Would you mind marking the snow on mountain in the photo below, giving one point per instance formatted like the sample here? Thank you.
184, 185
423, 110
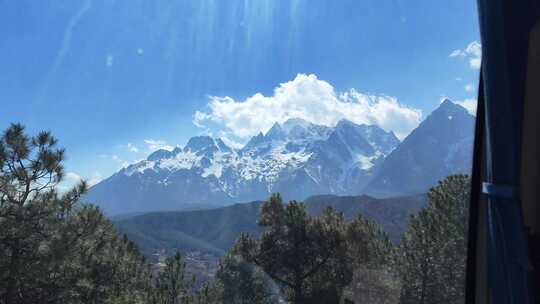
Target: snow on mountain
298, 159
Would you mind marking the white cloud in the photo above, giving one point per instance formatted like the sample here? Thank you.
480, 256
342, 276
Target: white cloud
140, 51
131, 147
469, 104
199, 117
153, 145
115, 158
96, 178
473, 52
72, 178
459, 79
457, 53
475, 63
469, 87
311, 99
119, 160
230, 142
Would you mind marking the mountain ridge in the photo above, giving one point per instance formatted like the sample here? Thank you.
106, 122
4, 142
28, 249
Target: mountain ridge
215, 230
441, 145
298, 159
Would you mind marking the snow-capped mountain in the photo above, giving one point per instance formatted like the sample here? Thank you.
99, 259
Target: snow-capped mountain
298, 159
441, 145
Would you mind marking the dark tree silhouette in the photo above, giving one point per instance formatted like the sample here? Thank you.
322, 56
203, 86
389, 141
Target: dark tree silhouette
305, 256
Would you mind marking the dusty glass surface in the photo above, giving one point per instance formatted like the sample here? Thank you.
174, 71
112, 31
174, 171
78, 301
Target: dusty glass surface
187, 118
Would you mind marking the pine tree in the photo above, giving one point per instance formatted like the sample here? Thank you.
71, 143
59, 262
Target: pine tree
433, 249
371, 252
52, 249
172, 285
242, 283
209, 293
306, 257
30, 168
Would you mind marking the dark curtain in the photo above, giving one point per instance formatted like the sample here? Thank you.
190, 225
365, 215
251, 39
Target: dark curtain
505, 27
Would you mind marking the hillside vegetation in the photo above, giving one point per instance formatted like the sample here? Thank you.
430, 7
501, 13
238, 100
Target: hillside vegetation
215, 230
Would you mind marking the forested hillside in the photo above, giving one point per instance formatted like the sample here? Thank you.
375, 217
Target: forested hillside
215, 230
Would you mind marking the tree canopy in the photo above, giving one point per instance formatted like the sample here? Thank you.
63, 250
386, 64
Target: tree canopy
432, 254
306, 256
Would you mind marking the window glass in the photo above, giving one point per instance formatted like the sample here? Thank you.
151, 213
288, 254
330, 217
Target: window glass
240, 151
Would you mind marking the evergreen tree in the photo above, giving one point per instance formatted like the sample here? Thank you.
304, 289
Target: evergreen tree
433, 249
209, 293
242, 283
30, 168
172, 285
306, 257
371, 252
52, 249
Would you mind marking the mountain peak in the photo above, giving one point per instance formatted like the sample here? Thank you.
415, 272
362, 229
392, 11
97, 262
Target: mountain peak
292, 123
276, 125
222, 145
378, 138
296, 120
254, 141
159, 154
447, 107
198, 143
345, 122
446, 102
275, 133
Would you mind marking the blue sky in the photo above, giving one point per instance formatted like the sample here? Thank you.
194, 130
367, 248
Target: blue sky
114, 80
